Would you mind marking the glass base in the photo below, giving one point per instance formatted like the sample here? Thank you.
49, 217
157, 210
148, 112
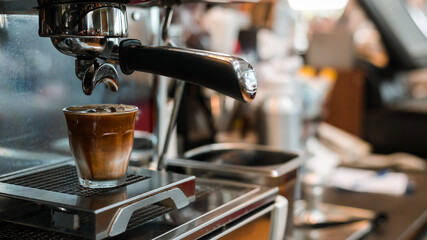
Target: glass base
103, 183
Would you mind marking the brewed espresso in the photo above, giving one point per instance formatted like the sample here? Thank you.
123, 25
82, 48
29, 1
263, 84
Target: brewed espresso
101, 139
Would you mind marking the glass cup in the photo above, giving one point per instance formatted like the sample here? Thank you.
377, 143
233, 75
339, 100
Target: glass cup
101, 141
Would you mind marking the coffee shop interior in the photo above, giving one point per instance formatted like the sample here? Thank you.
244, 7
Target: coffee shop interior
256, 119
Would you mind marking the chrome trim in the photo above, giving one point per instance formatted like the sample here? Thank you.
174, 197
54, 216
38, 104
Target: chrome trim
247, 78
123, 215
269, 174
243, 69
79, 47
257, 197
83, 20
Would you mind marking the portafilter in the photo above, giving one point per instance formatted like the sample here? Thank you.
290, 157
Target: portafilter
90, 31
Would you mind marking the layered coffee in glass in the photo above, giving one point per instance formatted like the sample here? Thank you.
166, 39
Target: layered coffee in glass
101, 141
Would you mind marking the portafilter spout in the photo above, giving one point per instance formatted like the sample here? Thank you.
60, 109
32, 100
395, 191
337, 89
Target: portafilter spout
86, 31
90, 32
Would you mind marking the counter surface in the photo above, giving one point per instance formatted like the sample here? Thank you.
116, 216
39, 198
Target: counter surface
406, 214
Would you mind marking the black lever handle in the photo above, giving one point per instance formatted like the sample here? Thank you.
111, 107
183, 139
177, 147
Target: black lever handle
226, 74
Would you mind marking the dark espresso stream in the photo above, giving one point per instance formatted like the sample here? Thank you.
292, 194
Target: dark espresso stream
101, 141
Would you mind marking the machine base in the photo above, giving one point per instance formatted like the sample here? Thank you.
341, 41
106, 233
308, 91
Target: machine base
51, 198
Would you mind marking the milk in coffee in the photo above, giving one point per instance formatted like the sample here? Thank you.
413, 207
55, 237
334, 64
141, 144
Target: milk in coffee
101, 141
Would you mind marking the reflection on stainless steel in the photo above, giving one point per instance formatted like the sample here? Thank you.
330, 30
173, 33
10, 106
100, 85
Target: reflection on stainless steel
29, 155
100, 19
97, 213
105, 73
3, 22
351, 231
220, 207
277, 212
357, 221
80, 47
247, 79
176, 200
81, 30
335, 213
179, 91
18, 6
245, 162
217, 204
14, 160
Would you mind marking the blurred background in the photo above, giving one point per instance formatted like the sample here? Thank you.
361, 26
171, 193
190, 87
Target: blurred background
349, 64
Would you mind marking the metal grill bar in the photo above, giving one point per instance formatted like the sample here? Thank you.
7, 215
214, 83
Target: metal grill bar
146, 214
63, 179
18, 232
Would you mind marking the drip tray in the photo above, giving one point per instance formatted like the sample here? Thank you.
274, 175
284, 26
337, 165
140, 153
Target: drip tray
218, 206
18, 232
63, 179
52, 199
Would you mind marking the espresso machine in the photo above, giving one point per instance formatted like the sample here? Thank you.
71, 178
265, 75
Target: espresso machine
40, 196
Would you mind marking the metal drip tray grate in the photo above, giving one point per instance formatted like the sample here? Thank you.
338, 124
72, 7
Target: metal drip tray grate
18, 232
63, 179
218, 203
51, 198
139, 217
146, 214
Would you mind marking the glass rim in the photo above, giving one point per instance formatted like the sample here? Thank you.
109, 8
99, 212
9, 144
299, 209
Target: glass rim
83, 108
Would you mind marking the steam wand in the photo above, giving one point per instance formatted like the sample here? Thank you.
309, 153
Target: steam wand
161, 163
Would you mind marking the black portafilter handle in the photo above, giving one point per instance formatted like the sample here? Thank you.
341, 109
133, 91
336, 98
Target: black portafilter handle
225, 74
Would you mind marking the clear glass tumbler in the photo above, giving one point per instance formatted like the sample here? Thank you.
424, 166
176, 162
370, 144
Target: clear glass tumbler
101, 141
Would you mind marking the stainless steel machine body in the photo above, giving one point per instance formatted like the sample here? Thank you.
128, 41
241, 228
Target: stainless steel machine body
52, 199
220, 207
256, 164
37, 82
